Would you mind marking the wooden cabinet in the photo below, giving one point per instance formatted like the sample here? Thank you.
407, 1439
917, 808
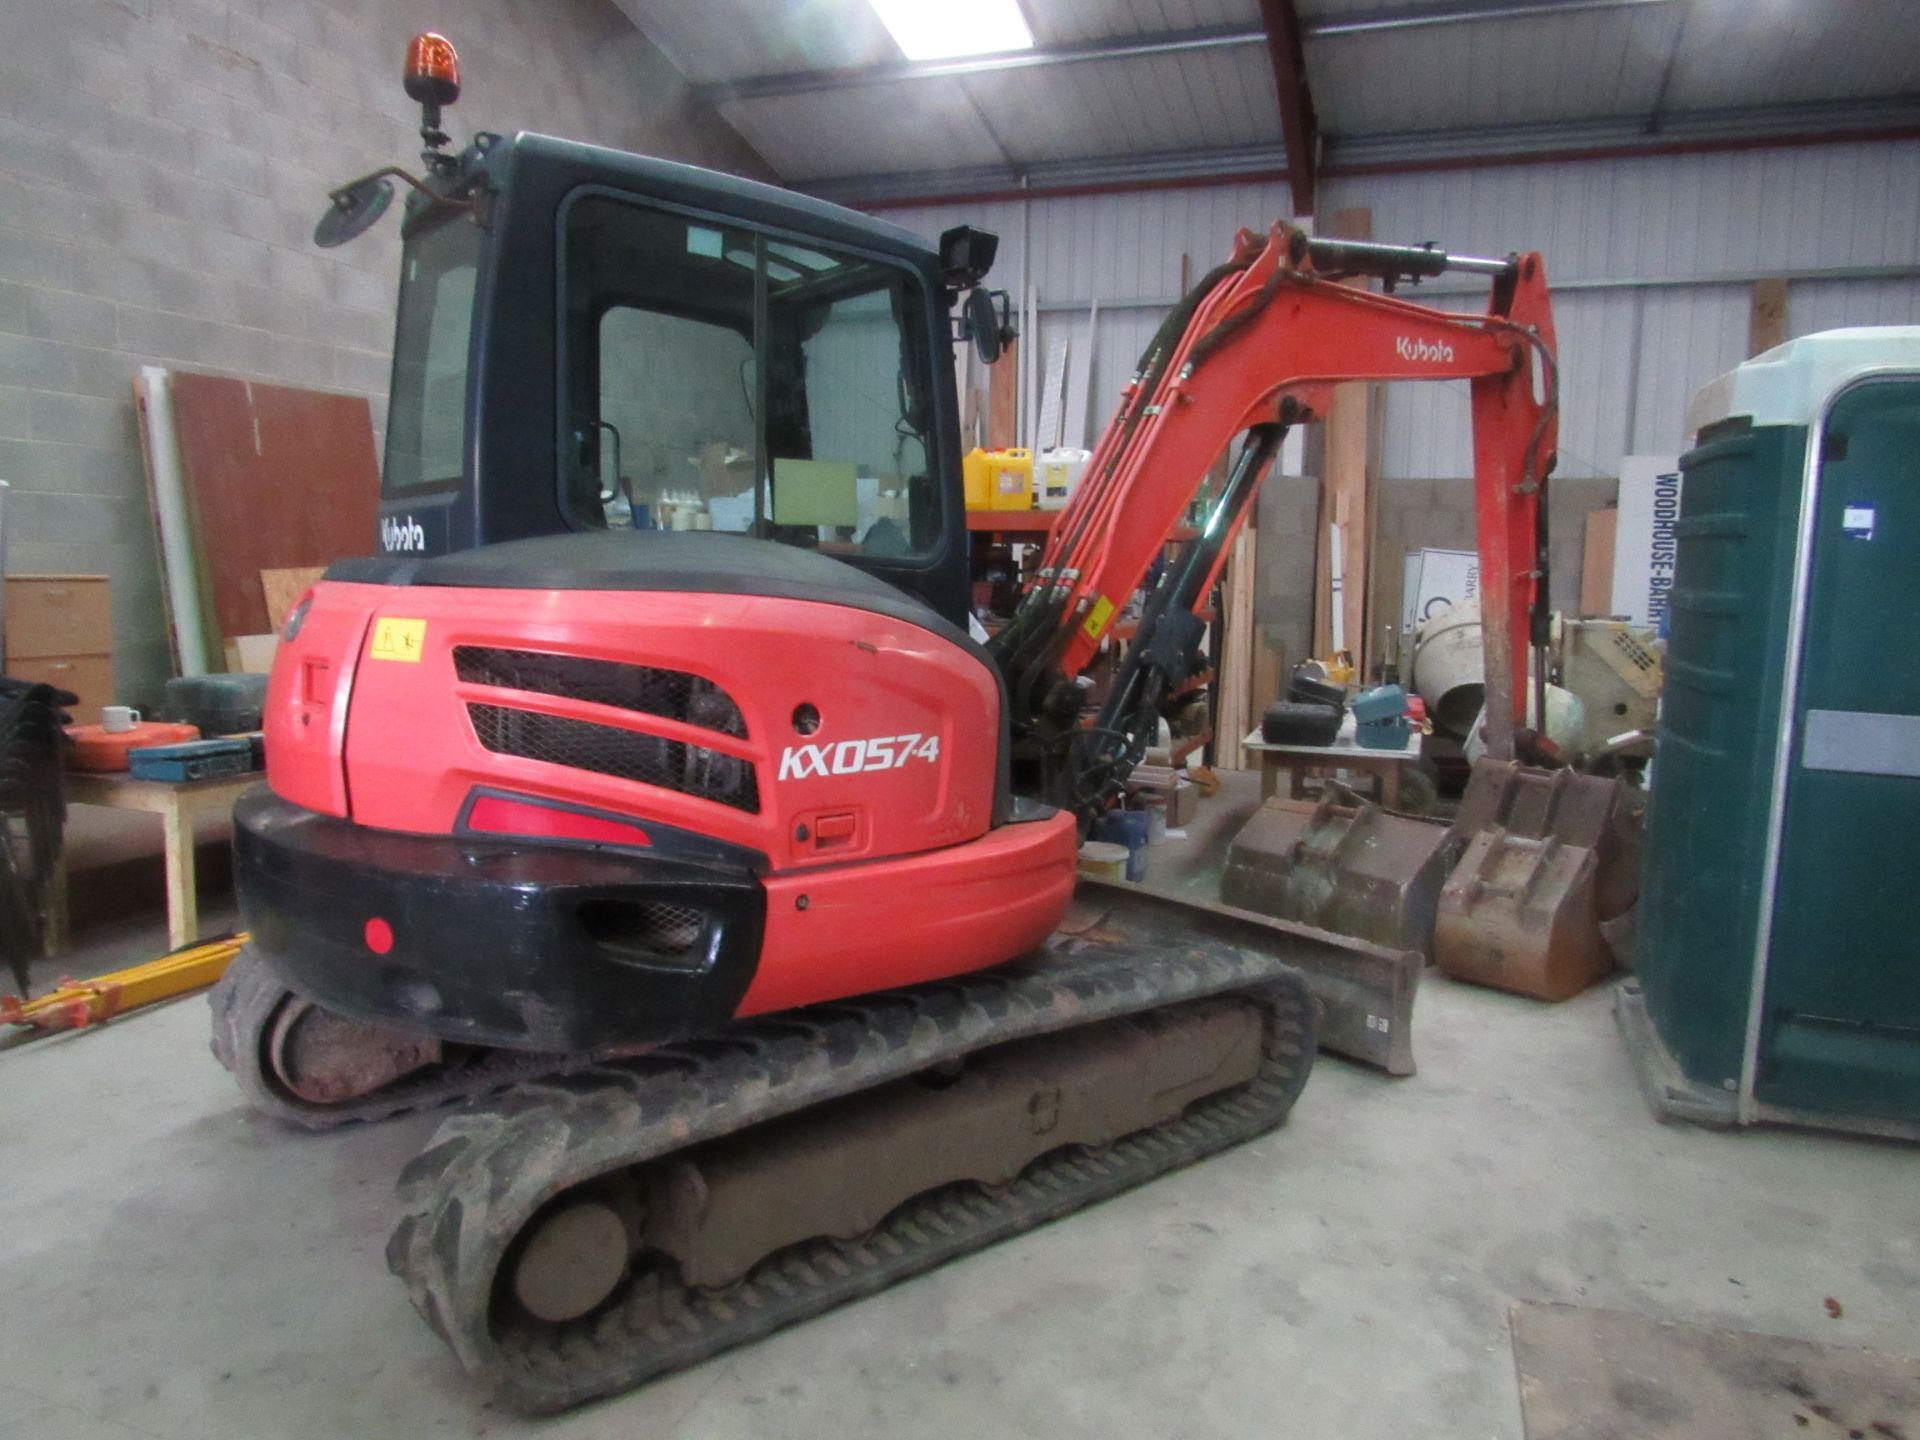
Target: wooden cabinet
60, 631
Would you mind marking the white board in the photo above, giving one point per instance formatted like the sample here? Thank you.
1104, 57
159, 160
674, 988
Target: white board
1644, 543
1435, 580
1047, 437
1073, 420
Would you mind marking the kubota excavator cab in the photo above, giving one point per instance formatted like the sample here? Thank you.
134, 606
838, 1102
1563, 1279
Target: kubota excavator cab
697, 352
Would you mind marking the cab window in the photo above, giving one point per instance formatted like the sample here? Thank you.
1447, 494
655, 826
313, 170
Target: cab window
722, 379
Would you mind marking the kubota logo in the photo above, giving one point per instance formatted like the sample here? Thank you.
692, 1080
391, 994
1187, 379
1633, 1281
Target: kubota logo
851, 757
1437, 352
405, 534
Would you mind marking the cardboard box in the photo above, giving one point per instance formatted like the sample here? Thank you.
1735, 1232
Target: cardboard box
88, 676
1162, 785
1596, 562
49, 615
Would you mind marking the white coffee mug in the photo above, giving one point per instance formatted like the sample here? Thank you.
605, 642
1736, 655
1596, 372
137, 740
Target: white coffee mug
118, 719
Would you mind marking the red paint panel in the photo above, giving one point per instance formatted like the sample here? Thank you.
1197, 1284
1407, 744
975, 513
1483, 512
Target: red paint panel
499, 816
902, 922
306, 710
907, 737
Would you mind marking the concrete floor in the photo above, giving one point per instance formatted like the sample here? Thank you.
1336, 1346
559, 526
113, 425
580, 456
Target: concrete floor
175, 1267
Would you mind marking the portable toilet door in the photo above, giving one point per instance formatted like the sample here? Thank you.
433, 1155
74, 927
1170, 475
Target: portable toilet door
1778, 967
1835, 1026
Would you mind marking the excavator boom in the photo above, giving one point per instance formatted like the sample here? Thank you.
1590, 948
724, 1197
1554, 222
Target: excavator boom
1258, 346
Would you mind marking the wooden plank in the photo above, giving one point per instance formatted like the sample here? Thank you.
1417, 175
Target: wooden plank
282, 590
276, 478
1003, 399
1268, 675
1350, 448
1596, 562
1767, 318
1235, 661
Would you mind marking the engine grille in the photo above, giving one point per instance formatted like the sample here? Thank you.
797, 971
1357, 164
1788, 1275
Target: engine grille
624, 754
644, 689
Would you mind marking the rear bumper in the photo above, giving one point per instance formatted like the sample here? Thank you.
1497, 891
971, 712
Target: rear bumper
528, 946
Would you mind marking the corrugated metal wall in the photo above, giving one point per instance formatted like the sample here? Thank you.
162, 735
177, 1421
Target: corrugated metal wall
1616, 234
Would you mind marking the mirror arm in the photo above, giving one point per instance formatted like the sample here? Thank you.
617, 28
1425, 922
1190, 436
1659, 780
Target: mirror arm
339, 194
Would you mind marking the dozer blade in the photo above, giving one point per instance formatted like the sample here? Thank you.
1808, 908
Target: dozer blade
1362, 991
582, 1235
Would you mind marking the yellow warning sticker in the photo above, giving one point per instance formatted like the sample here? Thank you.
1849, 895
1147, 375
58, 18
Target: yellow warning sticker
398, 639
1096, 622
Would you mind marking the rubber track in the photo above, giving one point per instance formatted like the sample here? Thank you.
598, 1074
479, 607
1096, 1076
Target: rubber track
490, 1169
244, 1002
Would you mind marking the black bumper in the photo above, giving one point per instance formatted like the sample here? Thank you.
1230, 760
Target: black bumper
525, 945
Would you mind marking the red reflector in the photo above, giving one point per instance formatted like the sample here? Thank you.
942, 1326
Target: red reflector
379, 936
497, 816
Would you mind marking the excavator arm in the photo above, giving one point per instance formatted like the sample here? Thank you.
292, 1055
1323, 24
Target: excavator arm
1255, 348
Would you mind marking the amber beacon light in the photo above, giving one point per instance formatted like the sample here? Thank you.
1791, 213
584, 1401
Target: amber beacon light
433, 70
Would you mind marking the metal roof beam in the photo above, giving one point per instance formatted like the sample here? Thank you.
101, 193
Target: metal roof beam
1299, 128
1699, 132
1821, 120
1040, 179
1457, 12
1128, 47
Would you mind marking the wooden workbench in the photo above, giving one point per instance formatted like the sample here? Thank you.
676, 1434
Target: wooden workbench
179, 808
1300, 761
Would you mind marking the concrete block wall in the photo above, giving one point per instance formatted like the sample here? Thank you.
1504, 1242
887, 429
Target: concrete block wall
1413, 515
162, 163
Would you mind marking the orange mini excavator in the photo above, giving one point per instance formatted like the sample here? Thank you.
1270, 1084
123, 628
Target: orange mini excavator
649, 793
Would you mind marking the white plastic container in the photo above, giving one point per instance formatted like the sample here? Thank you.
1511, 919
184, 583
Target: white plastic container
1056, 475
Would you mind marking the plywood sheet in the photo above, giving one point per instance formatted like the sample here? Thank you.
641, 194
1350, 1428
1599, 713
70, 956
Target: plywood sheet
276, 478
1767, 316
1596, 562
1588, 1374
1003, 399
283, 589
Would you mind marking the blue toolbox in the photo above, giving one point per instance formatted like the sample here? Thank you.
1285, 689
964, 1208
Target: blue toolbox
192, 760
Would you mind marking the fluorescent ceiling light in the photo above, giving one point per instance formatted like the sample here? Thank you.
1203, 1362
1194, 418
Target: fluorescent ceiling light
942, 29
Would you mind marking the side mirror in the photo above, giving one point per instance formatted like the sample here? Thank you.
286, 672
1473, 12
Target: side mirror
352, 210
988, 326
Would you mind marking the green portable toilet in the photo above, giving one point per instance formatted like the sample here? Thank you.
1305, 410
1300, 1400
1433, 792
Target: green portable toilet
1778, 959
